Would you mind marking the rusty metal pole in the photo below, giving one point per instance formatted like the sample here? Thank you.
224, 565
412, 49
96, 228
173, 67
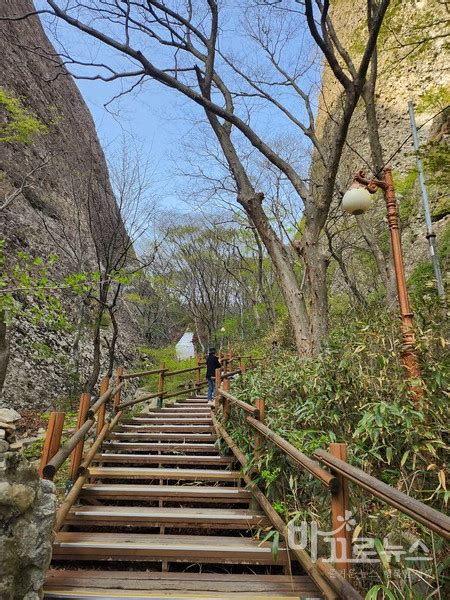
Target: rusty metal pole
408, 350
340, 514
218, 383
52, 438
119, 375
104, 385
162, 370
77, 452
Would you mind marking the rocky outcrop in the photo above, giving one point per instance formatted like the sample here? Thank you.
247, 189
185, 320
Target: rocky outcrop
412, 66
27, 513
51, 216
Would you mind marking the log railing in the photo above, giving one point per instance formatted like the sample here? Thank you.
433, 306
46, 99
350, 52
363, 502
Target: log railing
336, 480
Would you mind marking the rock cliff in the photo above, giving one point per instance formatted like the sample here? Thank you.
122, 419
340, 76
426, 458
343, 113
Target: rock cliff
412, 66
50, 216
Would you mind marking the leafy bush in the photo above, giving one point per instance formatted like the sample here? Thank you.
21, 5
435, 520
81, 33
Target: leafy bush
20, 125
355, 392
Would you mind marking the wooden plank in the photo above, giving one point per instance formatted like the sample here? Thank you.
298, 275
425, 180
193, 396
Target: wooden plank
191, 493
212, 518
179, 409
183, 582
164, 447
166, 428
173, 437
99, 594
166, 459
167, 420
71, 545
164, 474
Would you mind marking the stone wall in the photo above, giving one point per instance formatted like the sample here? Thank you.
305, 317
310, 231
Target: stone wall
413, 65
27, 513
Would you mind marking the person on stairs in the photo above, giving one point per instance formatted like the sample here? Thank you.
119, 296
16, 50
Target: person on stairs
212, 363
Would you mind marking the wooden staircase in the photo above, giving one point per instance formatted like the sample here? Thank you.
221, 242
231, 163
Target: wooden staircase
164, 515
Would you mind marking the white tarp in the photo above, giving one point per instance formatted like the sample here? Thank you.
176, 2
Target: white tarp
185, 347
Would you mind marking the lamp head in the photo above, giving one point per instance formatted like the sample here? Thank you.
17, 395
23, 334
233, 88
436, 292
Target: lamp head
222, 329
356, 200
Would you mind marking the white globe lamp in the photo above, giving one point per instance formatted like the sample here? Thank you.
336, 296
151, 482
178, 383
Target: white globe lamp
356, 200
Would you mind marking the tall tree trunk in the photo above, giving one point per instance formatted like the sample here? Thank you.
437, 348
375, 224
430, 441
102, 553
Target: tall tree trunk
284, 269
252, 204
4, 348
316, 265
261, 290
113, 342
96, 354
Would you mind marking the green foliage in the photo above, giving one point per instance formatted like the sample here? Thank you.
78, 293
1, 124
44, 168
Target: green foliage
434, 99
27, 290
166, 355
405, 190
20, 125
355, 391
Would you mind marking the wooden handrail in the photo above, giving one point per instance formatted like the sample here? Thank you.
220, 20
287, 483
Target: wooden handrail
300, 459
247, 407
52, 467
141, 374
179, 371
166, 371
302, 556
166, 394
104, 398
230, 374
83, 473
420, 512
148, 396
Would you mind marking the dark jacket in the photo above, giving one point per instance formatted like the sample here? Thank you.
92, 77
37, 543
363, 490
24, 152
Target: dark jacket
212, 363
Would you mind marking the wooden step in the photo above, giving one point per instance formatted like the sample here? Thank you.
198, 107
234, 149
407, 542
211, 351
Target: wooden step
200, 518
179, 493
79, 545
198, 399
168, 420
178, 410
163, 459
159, 447
163, 474
147, 436
166, 428
103, 585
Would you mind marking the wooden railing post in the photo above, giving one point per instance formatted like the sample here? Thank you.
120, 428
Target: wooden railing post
104, 385
217, 390
226, 402
198, 374
117, 396
258, 439
340, 514
52, 438
77, 452
162, 372
241, 364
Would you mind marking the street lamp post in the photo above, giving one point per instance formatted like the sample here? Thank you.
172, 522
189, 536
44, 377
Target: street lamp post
357, 201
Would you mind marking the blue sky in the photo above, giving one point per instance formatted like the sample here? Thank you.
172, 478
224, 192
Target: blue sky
158, 121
